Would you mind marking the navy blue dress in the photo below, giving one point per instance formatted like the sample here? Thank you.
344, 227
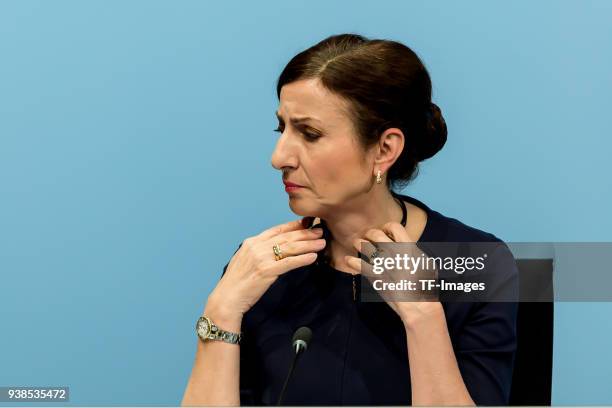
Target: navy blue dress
358, 353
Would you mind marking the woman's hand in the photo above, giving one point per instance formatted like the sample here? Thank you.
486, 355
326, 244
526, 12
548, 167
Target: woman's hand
408, 304
253, 268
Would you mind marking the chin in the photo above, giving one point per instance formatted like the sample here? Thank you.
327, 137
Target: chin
299, 206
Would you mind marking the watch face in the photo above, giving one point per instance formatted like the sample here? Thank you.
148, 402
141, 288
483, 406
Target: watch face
203, 328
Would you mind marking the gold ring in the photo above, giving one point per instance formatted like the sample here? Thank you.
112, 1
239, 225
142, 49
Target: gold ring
278, 254
375, 254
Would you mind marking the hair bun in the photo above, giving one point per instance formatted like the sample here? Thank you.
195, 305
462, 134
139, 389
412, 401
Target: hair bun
435, 133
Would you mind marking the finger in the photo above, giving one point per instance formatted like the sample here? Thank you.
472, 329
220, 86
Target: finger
297, 235
367, 246
294, 248
358, 265
281, 228
353, 263
364, 247
376, 235
292, 262
397, 232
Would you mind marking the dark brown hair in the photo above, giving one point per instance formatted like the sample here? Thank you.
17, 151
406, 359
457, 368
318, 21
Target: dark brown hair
386, 85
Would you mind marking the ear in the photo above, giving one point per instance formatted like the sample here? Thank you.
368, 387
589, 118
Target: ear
389, 148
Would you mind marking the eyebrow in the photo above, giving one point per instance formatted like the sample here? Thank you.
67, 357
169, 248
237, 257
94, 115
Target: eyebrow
298, 120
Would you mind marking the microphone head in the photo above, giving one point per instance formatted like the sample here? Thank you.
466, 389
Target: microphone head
302, 335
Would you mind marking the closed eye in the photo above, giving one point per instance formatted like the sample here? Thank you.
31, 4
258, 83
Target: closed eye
308, 135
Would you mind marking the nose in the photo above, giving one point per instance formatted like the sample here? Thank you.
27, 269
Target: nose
285, 153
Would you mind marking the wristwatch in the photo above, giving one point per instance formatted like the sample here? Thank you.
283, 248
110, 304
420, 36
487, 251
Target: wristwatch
207, 330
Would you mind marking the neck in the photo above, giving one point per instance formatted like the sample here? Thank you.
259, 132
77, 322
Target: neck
355, 218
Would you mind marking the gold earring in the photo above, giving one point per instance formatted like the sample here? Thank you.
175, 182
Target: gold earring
378, 178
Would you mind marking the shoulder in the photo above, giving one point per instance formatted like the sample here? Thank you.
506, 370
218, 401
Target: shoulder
448, 236
452, 229
475, 241
442, 228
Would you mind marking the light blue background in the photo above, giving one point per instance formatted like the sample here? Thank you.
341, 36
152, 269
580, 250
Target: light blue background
135, 142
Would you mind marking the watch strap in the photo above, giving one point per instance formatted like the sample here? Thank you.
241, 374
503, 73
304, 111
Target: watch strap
226, 336
215, 333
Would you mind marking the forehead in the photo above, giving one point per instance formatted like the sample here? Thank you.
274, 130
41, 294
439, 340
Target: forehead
308, 98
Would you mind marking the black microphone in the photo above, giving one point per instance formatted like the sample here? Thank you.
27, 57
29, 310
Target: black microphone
300, 341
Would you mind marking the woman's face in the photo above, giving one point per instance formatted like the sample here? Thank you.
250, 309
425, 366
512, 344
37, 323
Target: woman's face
320, 153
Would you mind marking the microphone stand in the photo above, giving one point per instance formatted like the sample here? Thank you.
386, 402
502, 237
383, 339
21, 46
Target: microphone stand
282, 393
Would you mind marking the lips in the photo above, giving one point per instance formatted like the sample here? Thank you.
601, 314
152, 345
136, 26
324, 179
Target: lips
290, 184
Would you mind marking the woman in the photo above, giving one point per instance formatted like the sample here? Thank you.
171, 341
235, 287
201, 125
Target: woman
355, 118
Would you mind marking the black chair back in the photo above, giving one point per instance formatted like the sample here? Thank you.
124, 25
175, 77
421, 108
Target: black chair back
532, 377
